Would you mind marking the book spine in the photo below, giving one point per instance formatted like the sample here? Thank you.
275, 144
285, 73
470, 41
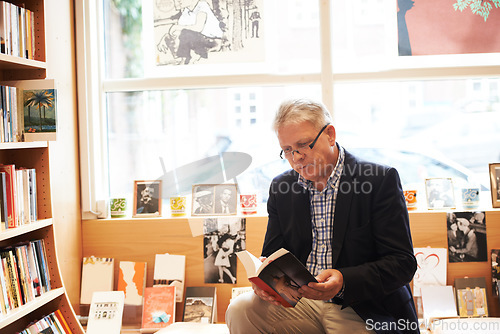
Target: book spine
63, 321
10, 187
13, 287
9, 302
33, 200
34, 269
3, 202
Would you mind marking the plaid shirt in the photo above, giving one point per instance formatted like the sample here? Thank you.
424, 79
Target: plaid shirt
322, 211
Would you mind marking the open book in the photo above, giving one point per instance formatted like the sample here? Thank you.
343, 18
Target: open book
280, 275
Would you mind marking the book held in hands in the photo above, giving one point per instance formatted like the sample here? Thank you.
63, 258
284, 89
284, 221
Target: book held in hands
280, 275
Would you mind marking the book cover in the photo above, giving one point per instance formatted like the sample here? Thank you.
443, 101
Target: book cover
106, 312
431, 268
438, 302
170, 269
97, 275
200, 304
159, 308
280, 275
471, 297
132, 281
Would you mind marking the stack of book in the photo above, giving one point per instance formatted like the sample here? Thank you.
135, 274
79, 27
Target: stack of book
18, 203
17, 31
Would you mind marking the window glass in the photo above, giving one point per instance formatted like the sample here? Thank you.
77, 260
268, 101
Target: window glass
426, 128
364, 35
153, 132
287, 41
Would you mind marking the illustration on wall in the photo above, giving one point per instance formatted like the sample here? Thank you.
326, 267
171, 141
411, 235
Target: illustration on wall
428, 27
198, 31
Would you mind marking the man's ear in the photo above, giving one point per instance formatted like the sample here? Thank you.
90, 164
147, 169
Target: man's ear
332, 134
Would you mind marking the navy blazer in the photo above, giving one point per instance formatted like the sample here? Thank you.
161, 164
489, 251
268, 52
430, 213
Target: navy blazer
372, 245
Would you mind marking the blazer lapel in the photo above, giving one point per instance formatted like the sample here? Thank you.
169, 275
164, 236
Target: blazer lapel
343, 206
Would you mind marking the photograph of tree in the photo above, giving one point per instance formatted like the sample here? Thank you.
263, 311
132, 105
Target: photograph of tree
428, 27
213, 31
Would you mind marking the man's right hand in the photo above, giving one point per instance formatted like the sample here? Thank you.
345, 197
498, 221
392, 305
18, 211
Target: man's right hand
261, 293
264, 295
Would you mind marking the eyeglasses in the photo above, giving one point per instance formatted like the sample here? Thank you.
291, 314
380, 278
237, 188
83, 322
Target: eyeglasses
303, 148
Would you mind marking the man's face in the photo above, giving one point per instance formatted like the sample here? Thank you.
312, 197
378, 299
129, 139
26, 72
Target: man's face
318, 163
225, 195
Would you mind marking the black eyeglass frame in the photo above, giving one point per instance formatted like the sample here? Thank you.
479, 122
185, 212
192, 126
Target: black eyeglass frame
311, 145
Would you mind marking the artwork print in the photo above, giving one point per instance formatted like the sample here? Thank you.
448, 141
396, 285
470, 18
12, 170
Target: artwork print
223, 238
208, 31
39, 110
429, 27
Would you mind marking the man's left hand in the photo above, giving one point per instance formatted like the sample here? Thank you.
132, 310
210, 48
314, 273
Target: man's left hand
330, 282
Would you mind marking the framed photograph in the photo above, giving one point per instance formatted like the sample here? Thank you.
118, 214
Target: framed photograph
147, 199
495, 184
203, 200
225, 202
214, 200
440, 194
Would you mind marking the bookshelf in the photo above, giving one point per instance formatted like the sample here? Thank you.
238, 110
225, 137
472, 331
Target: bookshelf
34, 155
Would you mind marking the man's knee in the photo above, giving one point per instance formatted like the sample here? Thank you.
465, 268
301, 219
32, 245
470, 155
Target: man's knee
238, 307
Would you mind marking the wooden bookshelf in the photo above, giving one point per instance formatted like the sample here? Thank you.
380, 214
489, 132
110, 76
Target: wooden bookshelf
34, 155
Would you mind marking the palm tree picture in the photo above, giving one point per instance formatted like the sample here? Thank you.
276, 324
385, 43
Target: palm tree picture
39, 110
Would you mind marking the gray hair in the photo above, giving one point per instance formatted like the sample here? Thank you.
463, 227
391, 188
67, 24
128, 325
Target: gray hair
301, 110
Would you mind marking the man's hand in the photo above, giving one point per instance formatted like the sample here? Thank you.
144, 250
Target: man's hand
330, 283
264, 295
261, 293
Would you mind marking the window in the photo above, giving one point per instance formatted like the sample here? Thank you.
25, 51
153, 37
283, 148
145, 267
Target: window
427, 115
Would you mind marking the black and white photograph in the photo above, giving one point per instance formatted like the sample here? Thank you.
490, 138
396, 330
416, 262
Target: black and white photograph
197, 31
225, 199
495, 271
495, 184
223, 237
440, 194
147, 198
467, 237
203, 200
